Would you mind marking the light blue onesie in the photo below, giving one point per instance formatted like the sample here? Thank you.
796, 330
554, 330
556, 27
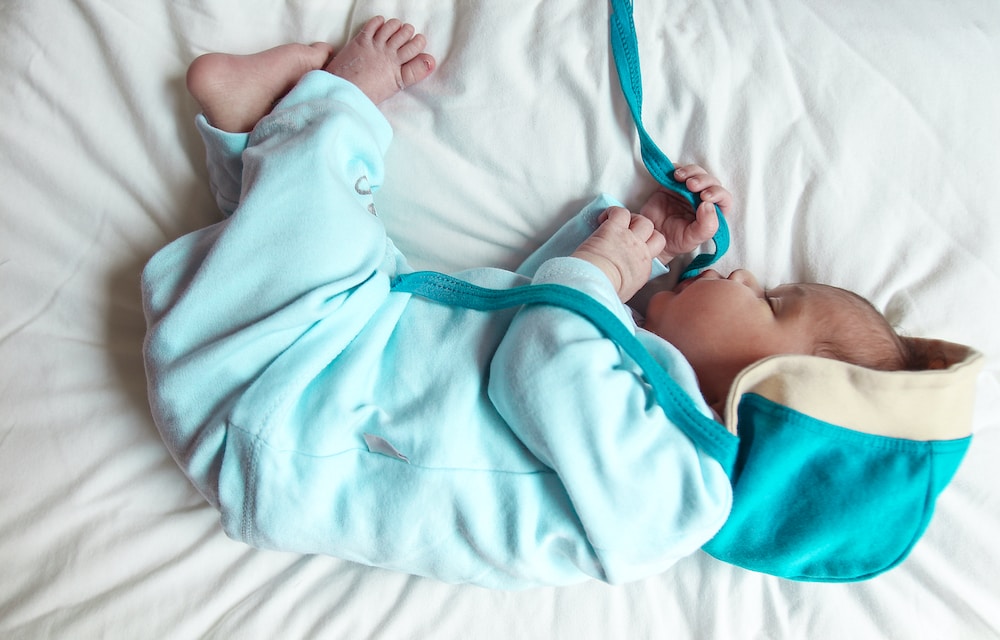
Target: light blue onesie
321, 412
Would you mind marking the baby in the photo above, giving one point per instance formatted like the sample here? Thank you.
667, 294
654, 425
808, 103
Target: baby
323, 411
739, 322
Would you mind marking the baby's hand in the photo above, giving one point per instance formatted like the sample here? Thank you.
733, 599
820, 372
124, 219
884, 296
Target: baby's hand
684, 230
623, 247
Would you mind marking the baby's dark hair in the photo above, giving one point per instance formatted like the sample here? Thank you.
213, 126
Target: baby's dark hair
861, 335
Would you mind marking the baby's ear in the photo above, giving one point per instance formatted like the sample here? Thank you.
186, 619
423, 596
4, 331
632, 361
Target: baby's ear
926, 354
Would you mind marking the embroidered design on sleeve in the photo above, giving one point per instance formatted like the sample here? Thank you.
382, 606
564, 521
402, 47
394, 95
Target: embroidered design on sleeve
363, 188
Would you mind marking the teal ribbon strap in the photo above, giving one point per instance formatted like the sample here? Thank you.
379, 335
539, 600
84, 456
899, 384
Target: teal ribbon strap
625, 49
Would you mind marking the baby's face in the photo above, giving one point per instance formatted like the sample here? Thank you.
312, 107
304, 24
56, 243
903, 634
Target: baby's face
722, 325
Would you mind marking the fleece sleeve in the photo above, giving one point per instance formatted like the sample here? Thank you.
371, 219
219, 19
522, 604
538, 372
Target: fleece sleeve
577, 229
645, 494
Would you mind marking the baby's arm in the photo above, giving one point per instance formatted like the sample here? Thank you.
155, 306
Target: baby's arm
644, 493
623, 247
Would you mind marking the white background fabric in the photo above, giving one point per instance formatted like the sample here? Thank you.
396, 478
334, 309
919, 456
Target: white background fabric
859, 139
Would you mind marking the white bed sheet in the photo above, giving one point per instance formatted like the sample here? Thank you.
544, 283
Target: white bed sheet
860, 139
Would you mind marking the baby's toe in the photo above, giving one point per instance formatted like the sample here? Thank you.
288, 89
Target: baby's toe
371, 28
401, 37
387, 30
416, 69
412, 48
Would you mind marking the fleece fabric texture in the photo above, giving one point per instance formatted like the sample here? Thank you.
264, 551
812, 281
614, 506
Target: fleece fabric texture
321, 412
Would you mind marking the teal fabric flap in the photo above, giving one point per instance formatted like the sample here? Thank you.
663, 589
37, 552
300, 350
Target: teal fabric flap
815, 501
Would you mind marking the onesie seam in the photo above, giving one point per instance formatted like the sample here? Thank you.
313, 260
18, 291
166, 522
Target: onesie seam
260, 442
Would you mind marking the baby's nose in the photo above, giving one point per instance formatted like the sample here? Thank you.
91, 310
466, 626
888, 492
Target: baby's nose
744, 277
740, 275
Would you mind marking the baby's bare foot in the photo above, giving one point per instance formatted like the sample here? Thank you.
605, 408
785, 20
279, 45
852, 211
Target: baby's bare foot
384, 58
234, 91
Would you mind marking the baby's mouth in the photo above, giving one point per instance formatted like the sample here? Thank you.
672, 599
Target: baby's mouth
711, 274
684, 284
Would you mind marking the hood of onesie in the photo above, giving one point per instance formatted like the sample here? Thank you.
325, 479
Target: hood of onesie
839, 466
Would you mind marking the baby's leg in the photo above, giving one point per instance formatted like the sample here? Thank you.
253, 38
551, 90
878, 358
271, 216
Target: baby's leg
248, 316
302, 222
234, 92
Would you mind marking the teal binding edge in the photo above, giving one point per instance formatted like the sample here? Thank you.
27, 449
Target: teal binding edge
625, 49
705, 432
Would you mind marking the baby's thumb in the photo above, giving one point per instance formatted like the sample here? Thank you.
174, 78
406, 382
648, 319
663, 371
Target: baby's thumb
706, 223
617, 216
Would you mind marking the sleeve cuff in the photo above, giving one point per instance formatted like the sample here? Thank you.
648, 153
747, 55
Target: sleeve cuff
573, 233
583, 276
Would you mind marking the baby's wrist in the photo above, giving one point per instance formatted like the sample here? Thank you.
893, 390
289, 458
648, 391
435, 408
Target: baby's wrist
607, 267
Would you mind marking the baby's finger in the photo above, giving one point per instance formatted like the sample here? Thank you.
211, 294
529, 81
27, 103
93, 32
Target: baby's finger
718, 195
656, 243
616, 215
641, 226
705, 224
685, 171
701, 181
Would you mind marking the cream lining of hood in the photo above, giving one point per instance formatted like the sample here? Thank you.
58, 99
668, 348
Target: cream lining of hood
934, 404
